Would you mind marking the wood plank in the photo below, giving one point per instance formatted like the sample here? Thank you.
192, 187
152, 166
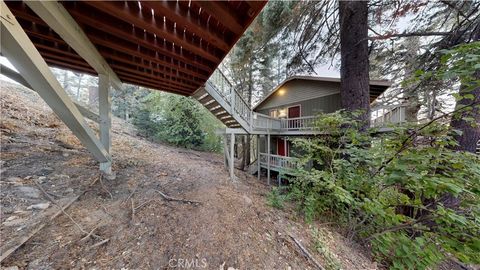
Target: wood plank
188, 20
58, 18
139, 18
220, 12
109, 27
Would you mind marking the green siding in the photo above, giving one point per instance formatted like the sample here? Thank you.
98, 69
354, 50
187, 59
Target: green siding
326, 104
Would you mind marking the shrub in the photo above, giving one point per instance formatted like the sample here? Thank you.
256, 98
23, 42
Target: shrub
405, 192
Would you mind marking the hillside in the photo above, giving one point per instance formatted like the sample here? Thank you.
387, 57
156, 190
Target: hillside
131, 224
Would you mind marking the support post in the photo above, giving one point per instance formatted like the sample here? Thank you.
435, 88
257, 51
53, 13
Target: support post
232, 158
258, 157
225, 151
268, 158
21, 52
232, 101
105, 112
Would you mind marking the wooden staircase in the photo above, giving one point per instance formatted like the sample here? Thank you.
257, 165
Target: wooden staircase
220, 98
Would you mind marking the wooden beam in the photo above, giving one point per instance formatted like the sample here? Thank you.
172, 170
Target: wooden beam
136, 35
117, 46
58, 18
78, 61
220, 11
232, 157
116, 57
145, 54
133, 15
21, 52
185, 19
154, 81
105, 112
10, 73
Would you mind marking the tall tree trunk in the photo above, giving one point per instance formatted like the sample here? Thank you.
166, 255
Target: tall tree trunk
470, 136
467, 141
354, 86
246, 145
412, 98
412, 108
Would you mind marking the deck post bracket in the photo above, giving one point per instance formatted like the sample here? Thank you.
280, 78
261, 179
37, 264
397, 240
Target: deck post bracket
20, 51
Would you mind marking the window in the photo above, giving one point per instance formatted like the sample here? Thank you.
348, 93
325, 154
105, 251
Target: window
278, 113
274, 113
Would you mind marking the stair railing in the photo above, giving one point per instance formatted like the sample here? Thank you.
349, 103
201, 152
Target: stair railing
225, 89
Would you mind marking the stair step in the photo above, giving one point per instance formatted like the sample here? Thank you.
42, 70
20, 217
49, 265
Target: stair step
211, 105
199, 93
221, 113
226, 117
217, 110
206, 100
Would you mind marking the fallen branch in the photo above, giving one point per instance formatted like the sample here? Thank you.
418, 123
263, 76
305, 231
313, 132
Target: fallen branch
306, 253
131, 194
168, 198
88, 235
55, 203
23, 240
133, 211
143, 204
99, 243
5, 253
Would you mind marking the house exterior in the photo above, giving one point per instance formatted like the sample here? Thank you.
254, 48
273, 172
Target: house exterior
291, 108
287, 112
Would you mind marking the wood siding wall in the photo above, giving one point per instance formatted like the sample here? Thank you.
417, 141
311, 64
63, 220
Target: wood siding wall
300, 92
326, 104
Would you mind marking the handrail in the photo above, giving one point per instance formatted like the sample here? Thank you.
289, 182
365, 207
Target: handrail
394, 115
238, 105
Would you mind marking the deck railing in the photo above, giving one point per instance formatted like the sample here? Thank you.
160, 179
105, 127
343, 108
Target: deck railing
393, 115
264, 122
298, 123
278, 162
256, 121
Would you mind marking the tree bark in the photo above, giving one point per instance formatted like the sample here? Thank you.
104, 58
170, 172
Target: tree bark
354, 86
467, 141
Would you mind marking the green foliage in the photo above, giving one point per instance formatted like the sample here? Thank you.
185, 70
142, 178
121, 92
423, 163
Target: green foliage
405, 191
180, 121
277, 197
320, 238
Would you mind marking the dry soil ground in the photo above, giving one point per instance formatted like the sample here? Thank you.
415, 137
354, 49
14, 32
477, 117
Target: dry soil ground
232, 227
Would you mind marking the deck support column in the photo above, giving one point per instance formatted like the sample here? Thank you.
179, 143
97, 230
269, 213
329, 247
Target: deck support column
105, 112
258, 157
20, 51
268, 158
225, 150
232, 158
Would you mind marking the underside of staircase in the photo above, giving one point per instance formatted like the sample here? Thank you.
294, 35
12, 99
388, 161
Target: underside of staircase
223, 114
220, 98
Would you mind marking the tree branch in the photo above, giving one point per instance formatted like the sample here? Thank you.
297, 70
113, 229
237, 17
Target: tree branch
412, 34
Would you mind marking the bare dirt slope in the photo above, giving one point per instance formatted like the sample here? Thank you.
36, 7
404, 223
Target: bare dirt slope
232, 227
